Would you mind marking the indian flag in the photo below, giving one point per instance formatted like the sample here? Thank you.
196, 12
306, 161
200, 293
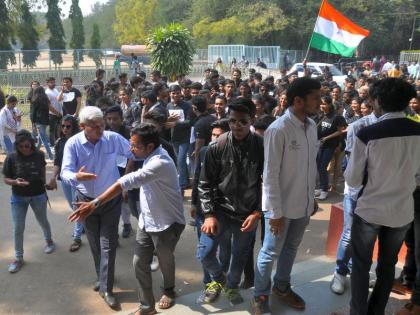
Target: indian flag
336, 34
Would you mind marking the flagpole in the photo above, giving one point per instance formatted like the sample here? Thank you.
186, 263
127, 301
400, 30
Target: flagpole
309, 45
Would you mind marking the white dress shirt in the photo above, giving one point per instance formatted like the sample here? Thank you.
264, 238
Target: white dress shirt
290, 149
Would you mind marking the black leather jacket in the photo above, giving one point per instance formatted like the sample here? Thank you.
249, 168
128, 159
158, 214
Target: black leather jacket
231, 177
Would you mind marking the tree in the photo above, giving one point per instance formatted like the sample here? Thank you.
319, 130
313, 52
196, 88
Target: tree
7, 56
171, 49
145, 15
28, 36
78, 36
56, 40
95, 43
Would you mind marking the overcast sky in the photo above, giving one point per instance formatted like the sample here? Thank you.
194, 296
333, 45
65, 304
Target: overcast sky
85, 6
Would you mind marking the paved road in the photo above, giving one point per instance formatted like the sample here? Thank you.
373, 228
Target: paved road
60, 283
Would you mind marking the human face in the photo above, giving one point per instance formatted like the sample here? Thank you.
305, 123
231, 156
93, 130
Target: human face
195, 92
138, 148
363, 93
229, 89
175, 96
186, 92
335, 94
259, 108
325, 108
114, 121
11, 105
346, 98
243, 90
66, 128
263, 90
311, 102
145, 101
414, 105
349, 86
236, 76
283, 101
216, 133
124, 97
24, 148
219, 106
67, 84
239, 124
93, 129
51, 84
365, 110
34, 85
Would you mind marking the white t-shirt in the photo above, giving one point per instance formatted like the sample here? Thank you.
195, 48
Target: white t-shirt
52, 96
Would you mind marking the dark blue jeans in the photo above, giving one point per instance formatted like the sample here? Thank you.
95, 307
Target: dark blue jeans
323, 158
241, 244
363, 237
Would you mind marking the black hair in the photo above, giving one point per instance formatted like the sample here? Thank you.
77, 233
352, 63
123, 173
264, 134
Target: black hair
196, 86
126, 90
148, 133
114, 109
39, 95
11, 99
358, 99
74, 124
258, 76
301, 87
222, 97
393, 94
243, 105
258, 98
328, 101
222, 124
104, 100
50, 79
156, 72
229, 81
237, 70
122, 75
99, 72
155, 116
200, 102
185, 83
263, 122
68, 79
135, 80
174, 88
22, 136
149, 95
213, 76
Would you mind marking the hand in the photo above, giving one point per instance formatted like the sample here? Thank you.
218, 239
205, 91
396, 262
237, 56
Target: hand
277, 225
21, 182
209, 226
51, 185
316, 207
84, 209
169, 125
173, 118
81, 175
250, 223
193, 211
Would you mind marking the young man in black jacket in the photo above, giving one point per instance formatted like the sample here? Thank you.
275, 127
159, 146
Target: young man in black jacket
230, 195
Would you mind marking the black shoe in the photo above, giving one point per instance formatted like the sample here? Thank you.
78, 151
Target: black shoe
126, 230
96, 286
109, 299
246, 284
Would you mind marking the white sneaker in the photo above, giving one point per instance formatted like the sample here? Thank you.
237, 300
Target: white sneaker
338, 283
317, 192
323, 195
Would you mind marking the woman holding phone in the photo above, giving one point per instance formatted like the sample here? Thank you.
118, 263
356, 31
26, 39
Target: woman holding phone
24, 170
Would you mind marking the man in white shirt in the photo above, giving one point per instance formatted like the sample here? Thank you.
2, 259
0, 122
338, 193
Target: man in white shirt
55, 120
161, 218
385, 161
290, 149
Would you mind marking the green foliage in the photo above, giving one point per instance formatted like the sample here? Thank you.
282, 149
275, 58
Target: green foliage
29, 37
171, 49
56, 40
135, 19
5, 38
78, 36
95, 43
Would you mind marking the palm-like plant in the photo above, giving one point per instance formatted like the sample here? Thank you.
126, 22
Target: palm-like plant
171, 49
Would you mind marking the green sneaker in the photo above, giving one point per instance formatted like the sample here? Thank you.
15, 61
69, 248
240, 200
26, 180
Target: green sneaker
212, 292
234, 296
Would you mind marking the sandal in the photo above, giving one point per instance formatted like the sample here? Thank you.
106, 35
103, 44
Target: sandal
166, 302
140, 312
75, 245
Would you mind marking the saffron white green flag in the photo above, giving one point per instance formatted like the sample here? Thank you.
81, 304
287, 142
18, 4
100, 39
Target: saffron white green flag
336, 34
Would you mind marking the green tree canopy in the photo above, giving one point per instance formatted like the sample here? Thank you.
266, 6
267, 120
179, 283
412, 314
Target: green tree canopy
6, 35
78, 35
95, 44
55, 26
29, 37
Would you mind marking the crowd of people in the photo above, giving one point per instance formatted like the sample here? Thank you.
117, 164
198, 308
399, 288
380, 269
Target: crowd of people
254, 151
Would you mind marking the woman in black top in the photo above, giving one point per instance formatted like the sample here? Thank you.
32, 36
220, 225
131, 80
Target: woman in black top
24, 170
40, 109
69, 127
330, 128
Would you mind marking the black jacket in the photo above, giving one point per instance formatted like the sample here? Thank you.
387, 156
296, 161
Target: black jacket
231, 177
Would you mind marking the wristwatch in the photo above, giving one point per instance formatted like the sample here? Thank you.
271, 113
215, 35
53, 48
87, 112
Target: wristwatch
96, 202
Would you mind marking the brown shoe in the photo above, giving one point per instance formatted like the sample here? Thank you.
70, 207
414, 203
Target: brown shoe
289, 298
75, 245
409, 309
401, 288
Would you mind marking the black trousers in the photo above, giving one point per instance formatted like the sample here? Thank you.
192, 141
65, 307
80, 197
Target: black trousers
55, 126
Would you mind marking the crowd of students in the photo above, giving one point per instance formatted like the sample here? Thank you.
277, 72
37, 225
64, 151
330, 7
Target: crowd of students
253, 150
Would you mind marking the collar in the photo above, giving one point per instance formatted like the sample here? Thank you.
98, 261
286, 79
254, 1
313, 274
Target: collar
84, 140
392, 115
296, 121
155, 152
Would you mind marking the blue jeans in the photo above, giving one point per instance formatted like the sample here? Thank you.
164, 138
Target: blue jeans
69, 193
323, 158
344, 249
241, 243
181, 151
283, 246
9, 144
363, 239
19, 209
42, 130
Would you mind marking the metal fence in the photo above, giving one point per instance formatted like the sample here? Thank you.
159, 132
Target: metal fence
407, 56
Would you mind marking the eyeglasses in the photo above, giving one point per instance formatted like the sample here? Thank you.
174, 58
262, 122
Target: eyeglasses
242, 122
66, 126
